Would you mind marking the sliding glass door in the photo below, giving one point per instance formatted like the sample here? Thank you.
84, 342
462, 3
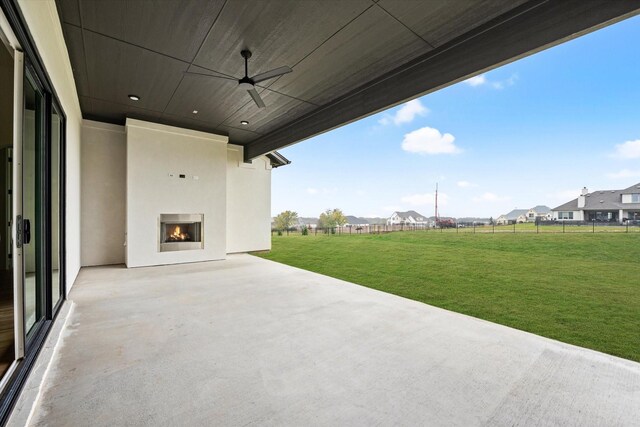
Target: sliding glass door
7, 312
55, 223
32, 203
32, 194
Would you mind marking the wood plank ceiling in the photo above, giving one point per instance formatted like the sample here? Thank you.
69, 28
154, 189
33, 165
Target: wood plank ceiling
143, 47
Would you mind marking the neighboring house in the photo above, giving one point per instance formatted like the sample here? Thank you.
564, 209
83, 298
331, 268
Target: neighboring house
353, 221
540, 213
376, 220
513, 217
408, 217
469, 221
602, 206
308, 222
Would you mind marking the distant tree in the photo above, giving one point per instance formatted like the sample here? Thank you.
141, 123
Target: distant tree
332, 218
285, 220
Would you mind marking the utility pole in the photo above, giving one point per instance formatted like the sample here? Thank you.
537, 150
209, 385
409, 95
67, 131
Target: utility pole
437, 222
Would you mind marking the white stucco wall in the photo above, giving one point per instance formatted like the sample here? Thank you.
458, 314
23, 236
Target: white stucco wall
42, 19
248, 202
104, 186
154, 152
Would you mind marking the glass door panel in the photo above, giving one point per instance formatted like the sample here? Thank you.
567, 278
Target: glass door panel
7, 327
54, 170
32, 204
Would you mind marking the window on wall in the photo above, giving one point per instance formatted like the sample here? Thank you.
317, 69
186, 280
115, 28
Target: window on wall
565, 215
635, 198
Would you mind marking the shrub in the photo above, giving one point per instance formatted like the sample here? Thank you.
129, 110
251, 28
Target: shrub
279, 232
305, 230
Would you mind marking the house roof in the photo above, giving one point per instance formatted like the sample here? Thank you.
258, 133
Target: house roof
635, 188
514, 214
349, 59
541, 209
353, 220
603, 200
307, 221
415, 215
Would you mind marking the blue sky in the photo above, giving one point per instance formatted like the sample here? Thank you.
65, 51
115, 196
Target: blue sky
531, 132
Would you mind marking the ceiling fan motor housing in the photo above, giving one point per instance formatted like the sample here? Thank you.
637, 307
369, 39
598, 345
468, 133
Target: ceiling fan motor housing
246, 83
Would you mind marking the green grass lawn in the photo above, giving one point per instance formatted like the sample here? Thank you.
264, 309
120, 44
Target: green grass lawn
582, 289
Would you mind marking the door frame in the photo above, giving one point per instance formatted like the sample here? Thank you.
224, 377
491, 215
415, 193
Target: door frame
13, 25
18, 264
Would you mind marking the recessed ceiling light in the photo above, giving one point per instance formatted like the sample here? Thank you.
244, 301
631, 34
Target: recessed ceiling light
244, 122
195, 111
134, 97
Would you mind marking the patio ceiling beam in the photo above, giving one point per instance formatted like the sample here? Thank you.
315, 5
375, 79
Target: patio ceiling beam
525, 30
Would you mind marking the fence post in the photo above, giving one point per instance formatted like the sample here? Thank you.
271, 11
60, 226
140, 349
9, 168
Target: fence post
537, 227
593, 227
563, 223
627, 226
474, 227
514, 227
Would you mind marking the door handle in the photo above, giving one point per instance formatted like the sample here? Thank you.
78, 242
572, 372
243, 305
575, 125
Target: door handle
26, 231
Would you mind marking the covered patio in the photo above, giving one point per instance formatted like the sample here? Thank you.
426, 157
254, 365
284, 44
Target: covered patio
246, 341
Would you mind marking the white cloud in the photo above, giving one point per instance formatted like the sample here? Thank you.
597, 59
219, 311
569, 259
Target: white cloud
481, 80
478, 80
428, 140
425, 199
312, 190
490, 197
409, 111
624, 173
466, 184
628, 150
406, 114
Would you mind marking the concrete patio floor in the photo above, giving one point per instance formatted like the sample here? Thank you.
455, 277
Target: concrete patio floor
251, 342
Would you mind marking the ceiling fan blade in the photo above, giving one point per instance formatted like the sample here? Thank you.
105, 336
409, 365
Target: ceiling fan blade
256, 98
271, 74
200, 75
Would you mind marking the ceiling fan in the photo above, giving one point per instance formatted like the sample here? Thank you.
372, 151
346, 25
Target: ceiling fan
248, 83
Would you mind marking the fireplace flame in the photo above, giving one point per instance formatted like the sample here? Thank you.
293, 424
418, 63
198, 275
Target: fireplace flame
177, 235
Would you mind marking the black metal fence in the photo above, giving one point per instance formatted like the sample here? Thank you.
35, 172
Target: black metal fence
529, 227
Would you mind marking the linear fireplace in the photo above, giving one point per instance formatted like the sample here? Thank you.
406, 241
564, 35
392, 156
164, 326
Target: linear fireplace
181, 232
